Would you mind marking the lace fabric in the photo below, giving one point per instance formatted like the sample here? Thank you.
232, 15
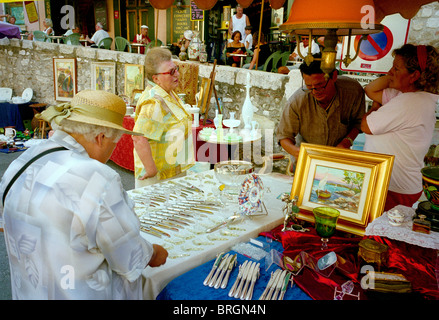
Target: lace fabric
381, 227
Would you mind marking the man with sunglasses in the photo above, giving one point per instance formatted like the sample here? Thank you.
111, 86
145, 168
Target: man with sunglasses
327, 111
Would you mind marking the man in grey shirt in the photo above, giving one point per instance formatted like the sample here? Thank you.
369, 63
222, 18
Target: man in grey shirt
324, 111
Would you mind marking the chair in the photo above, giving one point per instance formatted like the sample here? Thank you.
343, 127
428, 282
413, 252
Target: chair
40, 36
106, 43
274, 59
284, 57
72, 39
122, 44
153, 44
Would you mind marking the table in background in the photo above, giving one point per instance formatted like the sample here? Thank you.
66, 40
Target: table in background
12, 115
123, 153
56, 39
240, 55
138, 45
204, 152
155, 279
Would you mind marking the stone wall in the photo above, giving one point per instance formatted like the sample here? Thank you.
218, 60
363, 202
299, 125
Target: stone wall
29, 64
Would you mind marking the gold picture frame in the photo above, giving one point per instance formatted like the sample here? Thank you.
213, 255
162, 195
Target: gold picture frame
64, 78
137, 93
134, 78
103, 76
354, 182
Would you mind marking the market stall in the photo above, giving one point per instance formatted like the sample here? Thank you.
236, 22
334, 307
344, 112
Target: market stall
193, 245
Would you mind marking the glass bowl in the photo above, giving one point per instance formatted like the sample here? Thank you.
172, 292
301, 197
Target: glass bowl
232, 173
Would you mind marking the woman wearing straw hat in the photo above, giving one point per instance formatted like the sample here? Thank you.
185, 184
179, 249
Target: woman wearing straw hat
164, 121
402, 120
70, 228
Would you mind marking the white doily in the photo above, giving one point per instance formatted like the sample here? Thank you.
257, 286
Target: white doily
381, 227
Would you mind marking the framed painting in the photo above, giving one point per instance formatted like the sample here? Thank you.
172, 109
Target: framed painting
354, 182
137, 93
103, 76
64, 78
134, 78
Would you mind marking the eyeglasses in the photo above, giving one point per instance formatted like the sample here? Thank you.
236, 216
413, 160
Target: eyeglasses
316, 89
171, 72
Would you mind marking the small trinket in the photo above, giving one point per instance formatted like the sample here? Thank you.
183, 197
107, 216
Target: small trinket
421, 225
395, 217
372, 251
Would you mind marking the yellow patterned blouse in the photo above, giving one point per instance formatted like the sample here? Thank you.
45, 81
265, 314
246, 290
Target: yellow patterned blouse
168, 127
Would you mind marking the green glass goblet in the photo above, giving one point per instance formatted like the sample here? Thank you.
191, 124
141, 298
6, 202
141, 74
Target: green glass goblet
325, 223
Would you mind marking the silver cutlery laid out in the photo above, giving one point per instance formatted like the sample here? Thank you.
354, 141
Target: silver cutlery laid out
277, 285
245, 281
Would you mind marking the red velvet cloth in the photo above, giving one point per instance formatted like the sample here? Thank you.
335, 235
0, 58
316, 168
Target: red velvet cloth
417, 264
123, 153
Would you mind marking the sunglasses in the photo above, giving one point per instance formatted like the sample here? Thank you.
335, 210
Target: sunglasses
171, 72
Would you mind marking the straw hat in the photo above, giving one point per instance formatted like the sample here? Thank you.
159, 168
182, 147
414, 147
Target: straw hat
96, 107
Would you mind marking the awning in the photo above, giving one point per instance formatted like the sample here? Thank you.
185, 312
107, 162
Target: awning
9, 30
407, 8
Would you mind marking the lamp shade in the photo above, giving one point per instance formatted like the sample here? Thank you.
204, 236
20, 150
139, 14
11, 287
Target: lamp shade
161, 4
205, 4
343, 15
244, 3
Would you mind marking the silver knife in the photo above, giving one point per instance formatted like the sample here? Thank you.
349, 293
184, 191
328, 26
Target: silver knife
218, 271
151, 232
215, 265
273, 274
230, 268
243, 279
273, 284
279, 284
255, 276
223, 271
247, 281
286, 282
238, 278
158, 224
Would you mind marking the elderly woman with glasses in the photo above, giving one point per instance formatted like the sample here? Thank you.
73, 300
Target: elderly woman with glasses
327, 111
166, 149
402, 120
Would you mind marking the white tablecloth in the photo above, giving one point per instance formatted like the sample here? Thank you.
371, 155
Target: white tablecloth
381, 227
155, 279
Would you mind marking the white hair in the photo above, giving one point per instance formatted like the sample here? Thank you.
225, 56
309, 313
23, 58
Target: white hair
89, 131
49, 22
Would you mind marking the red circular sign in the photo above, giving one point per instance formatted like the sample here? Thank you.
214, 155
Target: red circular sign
376, 46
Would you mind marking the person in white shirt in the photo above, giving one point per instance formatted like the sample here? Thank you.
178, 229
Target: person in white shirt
238, 22
402, 121
70, 229
248, 41
98, 35
303, 45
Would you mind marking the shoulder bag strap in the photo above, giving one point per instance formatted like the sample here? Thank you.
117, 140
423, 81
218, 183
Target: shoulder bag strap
25, 167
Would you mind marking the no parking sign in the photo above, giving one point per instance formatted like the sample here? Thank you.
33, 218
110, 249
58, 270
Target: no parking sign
375, 54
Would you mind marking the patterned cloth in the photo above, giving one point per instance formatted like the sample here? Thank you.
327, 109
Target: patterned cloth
168, 127
188, 81
70, 228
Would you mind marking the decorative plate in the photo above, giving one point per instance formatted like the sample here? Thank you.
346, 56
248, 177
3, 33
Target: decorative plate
250, 196
27, 94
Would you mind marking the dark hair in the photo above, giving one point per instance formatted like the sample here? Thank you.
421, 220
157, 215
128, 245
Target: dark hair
234, 34
255, 38
429, 79
248, 27
313, 67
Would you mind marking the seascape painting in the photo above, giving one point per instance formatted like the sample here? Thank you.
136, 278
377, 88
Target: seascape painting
338, 188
